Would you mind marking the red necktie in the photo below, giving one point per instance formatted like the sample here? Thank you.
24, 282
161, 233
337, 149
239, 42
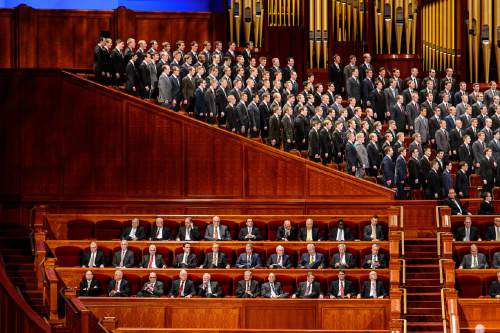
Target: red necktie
150, 264
181, 289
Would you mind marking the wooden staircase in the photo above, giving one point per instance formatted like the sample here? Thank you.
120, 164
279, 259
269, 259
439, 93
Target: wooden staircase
423, 286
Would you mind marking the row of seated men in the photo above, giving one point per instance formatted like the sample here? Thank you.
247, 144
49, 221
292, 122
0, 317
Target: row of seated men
246, 288
471, 233
125, 258
477, 260
219, 232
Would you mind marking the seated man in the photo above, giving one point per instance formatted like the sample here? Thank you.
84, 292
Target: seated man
152, 260
309, 288
341, 288
186, 259
89, 286
182, 287
495, 287
215, 259
152, 288
309, 233
342, 259
118, 286
248, 259
474, 260
496, 260
247, 288
272, 288
249, 232
311, 259
375, 259
373, 288
124, 257
217, 231
493, 231
374, 231
159, 231
93, 258
209, 288
286, 232
188, 232
467, 233
340, 232
134, 232
279, 259
456, 206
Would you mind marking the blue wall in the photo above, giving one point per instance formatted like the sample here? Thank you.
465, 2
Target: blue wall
160, 5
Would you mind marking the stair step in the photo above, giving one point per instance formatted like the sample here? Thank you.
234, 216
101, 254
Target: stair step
422, 261
425, 296
415, 304
425, 327
424, 318
421, 275
422, 281
429, 289
421, 241
420, 254
423, 311
17, 258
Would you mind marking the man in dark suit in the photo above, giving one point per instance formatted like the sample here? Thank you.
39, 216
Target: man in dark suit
373, 231
176, 87
495, 287
486, 170
209, 288
210, 103
182, 287
474, 260
309, 288
340, 232
159, 231
134, 232
326, 142
314, 142
272, 288
215, 259
343, 259
335, 74
468, 232
414, 169
367, 86
89, 286
353, 86
152, 260
152, 288
132, 84
279, 259
462, 181
248, 287
375, 260
200, 107
186, 259
145, 77
309, 233
341, 288
286, 232
388, 167
373, 288
400, 173
249, 232
118, 286
217, 231
124, 257
312, 259
188, 232
456, 206
248, 259
301, 129
92, 258
496, 260
493, 231
433, 182
274, 135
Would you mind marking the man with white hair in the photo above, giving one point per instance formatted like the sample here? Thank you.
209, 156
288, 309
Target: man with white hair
279, 259
93, 258
479, 328
209, 288
159, 231
182, 287
152, 260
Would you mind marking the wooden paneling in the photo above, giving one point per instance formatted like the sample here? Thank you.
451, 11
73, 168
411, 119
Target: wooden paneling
6, 38
472, 312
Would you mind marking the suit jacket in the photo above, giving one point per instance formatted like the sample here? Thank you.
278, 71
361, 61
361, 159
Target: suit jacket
188, 289
99, 259
221, 260
442, 140
496, 260
367, 87
156, 292
465, 154
334, 288
495, 289
244, 232
374, 155
254, 115
446, 182
456, 138
314, 143
93, 290
390, 99
473, 234
347, 234
200, 108
326, 143
265, 290
254, 289
158, 261
302, 290
388, 168
315, 234
272, 262
274, 129
128, 260
454, 208
481, 261
211, 106
491, 233
478, 151
194, 233
486, 208
462, 184
124, 290
243, 263
349, 261
379, 287
215, 288
335, 75
433, 127
400, 171
367, 231
398, 114
191, 260
319, 261
140, 234
176, 88
353, 88
132, 76
223, 229
367, 261
165, 235
281, 234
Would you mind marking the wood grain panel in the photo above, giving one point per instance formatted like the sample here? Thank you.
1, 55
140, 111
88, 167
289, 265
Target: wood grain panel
130, 315
277, 317
472, 312
203, 316
6, 38
357, 319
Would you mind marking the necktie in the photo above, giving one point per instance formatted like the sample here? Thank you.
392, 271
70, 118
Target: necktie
117, 285
340, 235
247, 287
309, 288
122, 258
181, 289
373, 290
216, 233
188, 234
249, 259
273, 293
92, 260
311, 259
150, 263
467, 234
342, 289
498, 234
309, 235
374, 232
474, 262
374, 260
215, 260
280, 259
158, 232
184, 258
